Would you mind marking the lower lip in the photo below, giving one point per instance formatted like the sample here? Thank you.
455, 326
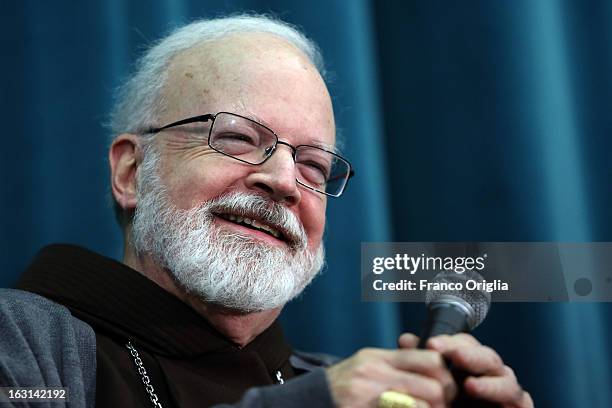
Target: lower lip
262, 236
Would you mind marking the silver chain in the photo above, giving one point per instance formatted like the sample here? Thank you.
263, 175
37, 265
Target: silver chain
143, 375
147, 381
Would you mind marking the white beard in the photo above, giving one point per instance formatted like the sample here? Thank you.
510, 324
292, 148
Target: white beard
215, 264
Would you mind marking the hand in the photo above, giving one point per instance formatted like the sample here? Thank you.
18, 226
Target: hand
492, 380
358, 381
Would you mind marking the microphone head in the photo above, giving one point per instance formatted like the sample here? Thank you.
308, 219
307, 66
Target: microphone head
475, 303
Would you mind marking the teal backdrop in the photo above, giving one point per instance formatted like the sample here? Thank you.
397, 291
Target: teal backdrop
475, 120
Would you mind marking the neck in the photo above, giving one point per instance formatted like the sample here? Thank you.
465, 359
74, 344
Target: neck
239, 327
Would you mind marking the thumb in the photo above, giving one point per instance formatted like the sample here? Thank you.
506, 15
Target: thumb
407, 341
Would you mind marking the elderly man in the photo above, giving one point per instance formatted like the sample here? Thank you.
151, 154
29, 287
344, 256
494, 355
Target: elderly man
221, 166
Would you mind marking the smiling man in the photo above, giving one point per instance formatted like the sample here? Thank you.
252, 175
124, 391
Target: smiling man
225, 211
222, 163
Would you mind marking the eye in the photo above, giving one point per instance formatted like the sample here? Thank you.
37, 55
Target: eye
234, 143
313, 172
235, 138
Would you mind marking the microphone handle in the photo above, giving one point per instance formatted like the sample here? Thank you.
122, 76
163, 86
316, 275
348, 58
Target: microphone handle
445, 318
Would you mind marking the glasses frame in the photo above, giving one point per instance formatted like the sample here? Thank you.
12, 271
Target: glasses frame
269, 151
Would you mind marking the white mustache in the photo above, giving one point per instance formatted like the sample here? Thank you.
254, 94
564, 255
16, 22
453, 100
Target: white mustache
269, 212
216, 264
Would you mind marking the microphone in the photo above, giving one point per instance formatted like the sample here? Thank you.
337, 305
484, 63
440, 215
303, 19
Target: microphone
452, 308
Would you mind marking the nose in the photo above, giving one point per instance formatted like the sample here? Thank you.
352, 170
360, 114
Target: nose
276, 177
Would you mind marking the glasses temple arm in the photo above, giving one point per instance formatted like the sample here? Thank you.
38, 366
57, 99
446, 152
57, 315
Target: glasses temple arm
201, 118
351, 174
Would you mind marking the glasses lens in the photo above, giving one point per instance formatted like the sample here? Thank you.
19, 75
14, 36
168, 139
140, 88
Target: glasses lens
321, 170
241, 138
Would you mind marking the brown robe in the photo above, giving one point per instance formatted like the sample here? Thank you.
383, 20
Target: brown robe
189, 363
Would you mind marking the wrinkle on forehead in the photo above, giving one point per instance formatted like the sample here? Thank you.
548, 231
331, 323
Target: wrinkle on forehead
231, 67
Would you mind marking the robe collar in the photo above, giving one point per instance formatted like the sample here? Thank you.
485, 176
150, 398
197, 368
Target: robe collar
113, 298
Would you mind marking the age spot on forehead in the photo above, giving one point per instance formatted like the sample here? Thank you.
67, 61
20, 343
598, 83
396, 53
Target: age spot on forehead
189, 75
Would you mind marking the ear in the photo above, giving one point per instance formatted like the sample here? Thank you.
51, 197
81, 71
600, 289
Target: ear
124, 157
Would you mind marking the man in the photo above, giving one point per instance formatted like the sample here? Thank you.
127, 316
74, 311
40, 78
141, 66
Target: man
221, 166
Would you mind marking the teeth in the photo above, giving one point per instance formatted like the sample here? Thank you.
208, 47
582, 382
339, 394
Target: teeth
253, 223
234, 218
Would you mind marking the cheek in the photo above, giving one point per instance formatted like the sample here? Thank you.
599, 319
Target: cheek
313, 218
192, 183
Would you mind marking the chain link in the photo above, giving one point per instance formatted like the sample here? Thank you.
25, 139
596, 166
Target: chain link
143, 374
147, 381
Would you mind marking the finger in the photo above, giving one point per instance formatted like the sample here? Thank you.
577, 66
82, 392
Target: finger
526, 402
420, 403
396, 369
428, 363
478, 360
504, 390
445, 342
424, 361
407, 340
466, 338
420, 387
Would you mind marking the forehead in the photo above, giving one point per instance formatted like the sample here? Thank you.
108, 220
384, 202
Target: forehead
258, 75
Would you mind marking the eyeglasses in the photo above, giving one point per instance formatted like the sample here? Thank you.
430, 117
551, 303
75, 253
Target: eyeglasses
251, 142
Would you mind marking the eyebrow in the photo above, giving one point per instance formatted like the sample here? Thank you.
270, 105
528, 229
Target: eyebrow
327, 147
316, 143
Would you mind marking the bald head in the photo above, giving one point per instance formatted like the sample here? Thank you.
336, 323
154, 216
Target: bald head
244, 73
223, 64
138, 99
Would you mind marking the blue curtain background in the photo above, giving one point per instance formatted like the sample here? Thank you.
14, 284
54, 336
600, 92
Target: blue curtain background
479, 120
